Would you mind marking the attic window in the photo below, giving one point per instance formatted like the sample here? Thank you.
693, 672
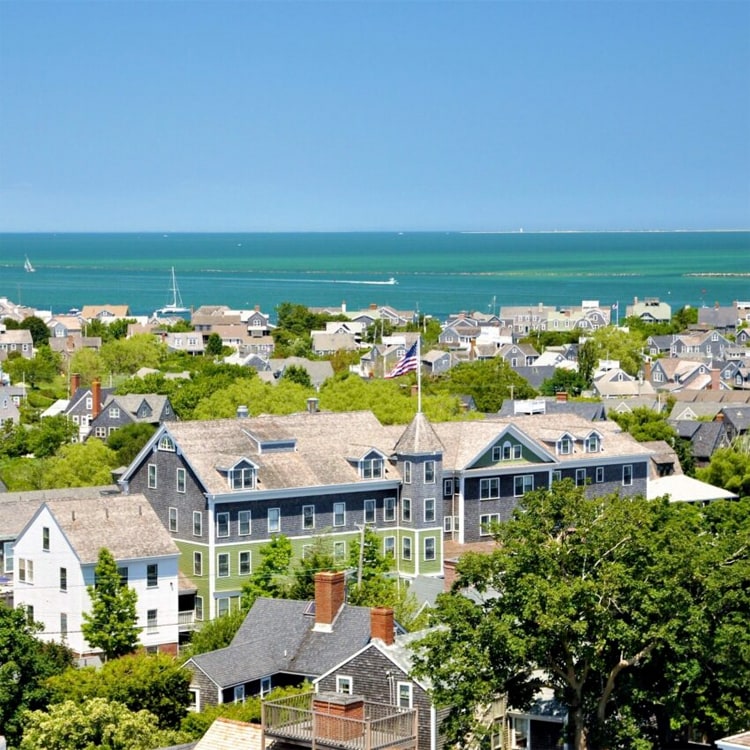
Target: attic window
564, 445
371, 468
166, 444
242, 478
592, 443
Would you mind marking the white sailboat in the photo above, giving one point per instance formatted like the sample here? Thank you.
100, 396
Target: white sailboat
27, 266
174, 308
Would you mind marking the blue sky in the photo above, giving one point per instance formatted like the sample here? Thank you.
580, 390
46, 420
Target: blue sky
315, 116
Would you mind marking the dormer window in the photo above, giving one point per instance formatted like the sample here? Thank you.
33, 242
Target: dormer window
564, 445
242, 477
371, 468
166, 444
114, 412
592, 443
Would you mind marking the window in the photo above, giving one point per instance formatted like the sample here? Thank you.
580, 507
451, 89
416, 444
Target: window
45, 538
63, 579
523, 484
223, 564
429, 472
447, 524
222, 606
151, 620
389, 509
63, 625
239, 693
429, 510
114, 412
557, 475
486, 520
592, 444
7, 553
406, 548
308, 516
152, 476
369, 511
339, 550
407, 472
274, 520
123, 573
265, 686
447, 487
25, 570
242, 478
172, 514
222, 524
404, 693
199, 608
507, 451
580, 477
627, 475
497, 453
489, 488
518, 451
180, 480
429, 548
243, 521
565, 445
344, 684
372, 468
100, 432
152, 575
339, 514
197, 523
197, 563
389, 546
406, 509
599, 474
166, 444
244, 564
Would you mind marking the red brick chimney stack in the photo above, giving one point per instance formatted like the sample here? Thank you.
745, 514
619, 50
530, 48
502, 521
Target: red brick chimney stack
715, 379
329, 597
381, 624
561, 396
75, 383
96, 398
647, 370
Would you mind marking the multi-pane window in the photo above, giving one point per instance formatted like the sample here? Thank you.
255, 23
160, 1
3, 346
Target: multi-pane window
172, 519
557, 475
274, 520
25, 570
518, 451
45, 538
222, 524
489, 488
243, 522
123, 573
152, 617
372, 468
404, 691
198, 607
242, 478
265, 686
507, 451
389, 509
63, 579
344, 684
627, 474
389, 546
497, 452
369, 511
239, 693
181, 480
7, 555
406, 548
407, 472
339, 514
166, 444
429, 548
63, 624
197, 563
244, 563
339, 550
599, 474
565, 445
222, 564
523, 484
222, 606
308, 516
429, 510
486, 520
429, 472
447, 487
406, 509
580, 477
197, 523
592, 443
152, 575
152, 476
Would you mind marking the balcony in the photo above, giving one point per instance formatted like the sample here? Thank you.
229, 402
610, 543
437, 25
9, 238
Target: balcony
186, 620
335, 720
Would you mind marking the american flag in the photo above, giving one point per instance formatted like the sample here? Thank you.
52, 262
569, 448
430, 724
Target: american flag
408, 363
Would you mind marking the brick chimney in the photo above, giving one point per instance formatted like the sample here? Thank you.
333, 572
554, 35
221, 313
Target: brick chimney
561, 396
75, 383
381, 624
96, 398
719, 417
647, 370
329, 596
715, 379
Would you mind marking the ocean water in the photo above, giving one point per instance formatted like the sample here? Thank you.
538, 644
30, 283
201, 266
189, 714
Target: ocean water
437, 272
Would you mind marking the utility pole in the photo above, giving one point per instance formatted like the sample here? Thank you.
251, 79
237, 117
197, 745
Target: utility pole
361, 554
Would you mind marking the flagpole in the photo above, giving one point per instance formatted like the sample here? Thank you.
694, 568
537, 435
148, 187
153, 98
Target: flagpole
419, 375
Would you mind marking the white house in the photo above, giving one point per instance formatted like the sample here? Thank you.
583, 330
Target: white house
56, 554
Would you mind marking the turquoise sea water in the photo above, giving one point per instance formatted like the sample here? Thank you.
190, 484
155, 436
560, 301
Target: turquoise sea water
437, 272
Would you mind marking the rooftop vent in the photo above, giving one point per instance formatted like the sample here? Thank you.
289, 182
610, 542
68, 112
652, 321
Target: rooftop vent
242, 412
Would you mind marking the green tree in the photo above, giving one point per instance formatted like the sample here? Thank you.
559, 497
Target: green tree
43, 367
587, 362
318, 557
729, 468
298, 374
97, 723
89, 364
214, 345
152, 682
617, 344
111, 624
127, 356
128, 440
586, 591
271, 577
25, 664
214, 634
563, 380
80, 465
46, 438
38, 328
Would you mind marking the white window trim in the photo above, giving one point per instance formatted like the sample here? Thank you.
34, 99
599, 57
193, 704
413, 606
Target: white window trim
240, 516
219, 557
344, 681
339, 513
220, 523
277, 528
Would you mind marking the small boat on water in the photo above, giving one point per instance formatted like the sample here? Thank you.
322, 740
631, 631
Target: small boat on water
174, 308
27, 266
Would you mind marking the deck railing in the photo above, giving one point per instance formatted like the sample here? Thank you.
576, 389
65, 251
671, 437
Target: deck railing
381, 726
